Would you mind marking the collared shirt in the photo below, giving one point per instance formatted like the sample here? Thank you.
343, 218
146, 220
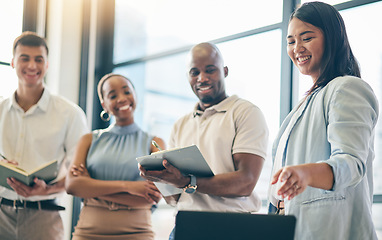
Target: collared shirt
232, 126
49, 130
337, 127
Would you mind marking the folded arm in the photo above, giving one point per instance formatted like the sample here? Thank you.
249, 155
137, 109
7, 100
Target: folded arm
79, 183
130, 200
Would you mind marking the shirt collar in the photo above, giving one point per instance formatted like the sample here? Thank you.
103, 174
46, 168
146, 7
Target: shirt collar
223, 106
41, 104
123, 130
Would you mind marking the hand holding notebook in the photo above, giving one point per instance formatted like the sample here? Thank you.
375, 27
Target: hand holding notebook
46, 172
188, 160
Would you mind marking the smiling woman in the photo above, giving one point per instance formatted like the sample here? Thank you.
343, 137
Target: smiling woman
305, 47
323, 154
118, 98
117, 202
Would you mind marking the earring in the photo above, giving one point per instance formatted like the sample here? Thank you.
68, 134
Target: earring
102, 115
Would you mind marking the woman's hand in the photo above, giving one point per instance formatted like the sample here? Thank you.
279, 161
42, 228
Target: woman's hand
79, 171
145, 189
293, 179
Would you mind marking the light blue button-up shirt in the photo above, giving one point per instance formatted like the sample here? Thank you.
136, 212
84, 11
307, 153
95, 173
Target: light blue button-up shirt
337, 127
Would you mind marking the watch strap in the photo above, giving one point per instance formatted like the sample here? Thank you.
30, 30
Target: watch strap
191, 187
193, 180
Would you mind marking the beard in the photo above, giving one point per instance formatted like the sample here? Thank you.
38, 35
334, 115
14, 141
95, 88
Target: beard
207, 99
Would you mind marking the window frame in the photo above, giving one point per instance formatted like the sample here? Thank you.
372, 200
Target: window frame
30, 18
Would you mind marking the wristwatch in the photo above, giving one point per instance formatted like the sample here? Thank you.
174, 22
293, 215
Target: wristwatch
191, 188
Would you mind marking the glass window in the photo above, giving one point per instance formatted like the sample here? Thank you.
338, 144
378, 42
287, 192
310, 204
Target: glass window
149, 26
254, 74
11, 18
370, 59
377, 209
8, 81
168, 75
161, 112
331, 2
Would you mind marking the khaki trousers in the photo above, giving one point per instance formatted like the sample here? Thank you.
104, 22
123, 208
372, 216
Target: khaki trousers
30, 224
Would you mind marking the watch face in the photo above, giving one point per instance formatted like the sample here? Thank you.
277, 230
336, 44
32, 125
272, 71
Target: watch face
190, 190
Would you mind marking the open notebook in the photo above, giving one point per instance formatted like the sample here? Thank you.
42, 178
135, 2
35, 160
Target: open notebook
191, 225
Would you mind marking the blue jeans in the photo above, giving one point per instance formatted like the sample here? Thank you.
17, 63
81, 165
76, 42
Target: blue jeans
271, 209
172, 234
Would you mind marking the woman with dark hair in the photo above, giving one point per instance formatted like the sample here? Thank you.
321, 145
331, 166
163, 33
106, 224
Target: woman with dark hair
117, 201
323, 154
338, 59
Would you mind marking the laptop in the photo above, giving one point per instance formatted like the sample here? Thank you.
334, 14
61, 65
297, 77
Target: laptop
193, 225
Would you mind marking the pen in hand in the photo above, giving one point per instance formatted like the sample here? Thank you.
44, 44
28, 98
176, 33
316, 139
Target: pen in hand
156, 145
8, 161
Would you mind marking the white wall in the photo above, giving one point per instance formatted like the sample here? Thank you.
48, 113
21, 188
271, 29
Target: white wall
64, 32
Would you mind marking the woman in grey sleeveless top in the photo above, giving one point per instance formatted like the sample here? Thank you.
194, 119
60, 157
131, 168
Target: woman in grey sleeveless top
117, 201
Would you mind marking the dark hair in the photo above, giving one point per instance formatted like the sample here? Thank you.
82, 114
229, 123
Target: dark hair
30, 39
103, 80
338, 58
